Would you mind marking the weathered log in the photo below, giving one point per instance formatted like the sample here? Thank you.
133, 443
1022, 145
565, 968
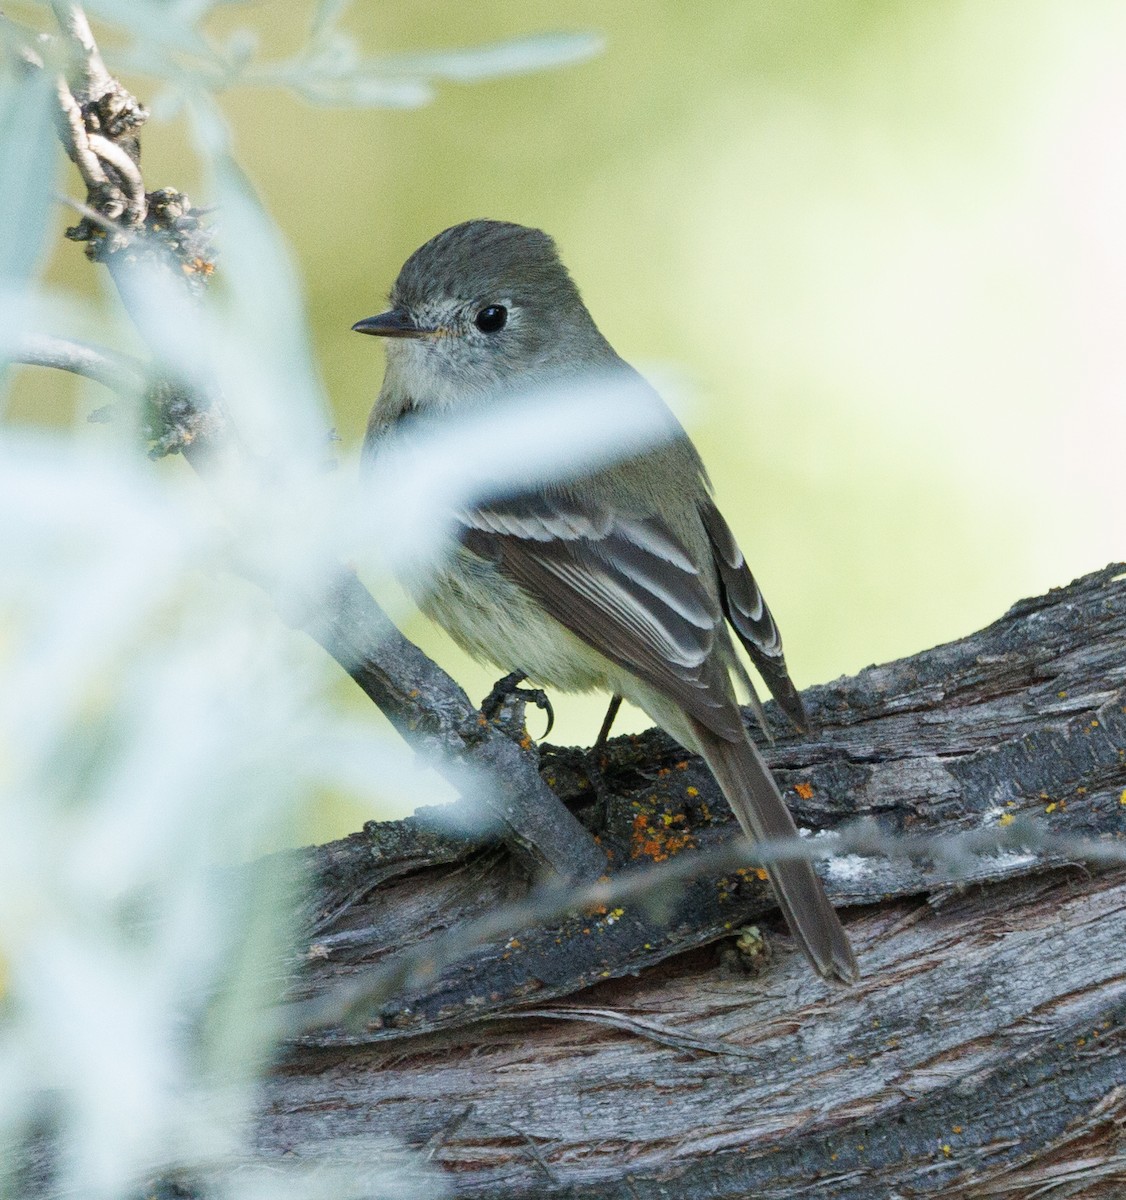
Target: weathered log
635, 1053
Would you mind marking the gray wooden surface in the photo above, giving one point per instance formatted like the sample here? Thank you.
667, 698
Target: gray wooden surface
638, 1054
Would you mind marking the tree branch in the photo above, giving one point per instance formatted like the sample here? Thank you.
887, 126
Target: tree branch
979, 1056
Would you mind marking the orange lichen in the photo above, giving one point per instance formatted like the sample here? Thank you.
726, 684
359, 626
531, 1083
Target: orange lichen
804, 790
659, 841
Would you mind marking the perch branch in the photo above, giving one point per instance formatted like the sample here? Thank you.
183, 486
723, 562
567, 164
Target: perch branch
654, 1049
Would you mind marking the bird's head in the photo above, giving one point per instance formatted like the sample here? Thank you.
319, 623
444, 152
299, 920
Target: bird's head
484, 307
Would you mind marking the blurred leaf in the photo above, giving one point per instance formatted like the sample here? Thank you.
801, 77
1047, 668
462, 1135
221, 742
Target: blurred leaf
29, 157
360, 90
155, 25
327, 13
494, 61
265, 293
332, 71
478, 453
146, 713
28, 161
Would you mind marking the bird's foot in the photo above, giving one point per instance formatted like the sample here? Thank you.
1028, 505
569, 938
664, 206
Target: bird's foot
505, 704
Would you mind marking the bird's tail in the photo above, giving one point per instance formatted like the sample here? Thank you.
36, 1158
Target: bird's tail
754, 797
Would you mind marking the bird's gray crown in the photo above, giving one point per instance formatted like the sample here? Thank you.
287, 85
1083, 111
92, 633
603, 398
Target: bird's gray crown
480, 260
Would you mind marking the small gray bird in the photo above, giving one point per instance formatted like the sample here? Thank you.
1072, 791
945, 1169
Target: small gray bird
621, 579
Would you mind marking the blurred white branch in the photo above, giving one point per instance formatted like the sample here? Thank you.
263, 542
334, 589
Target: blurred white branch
116, 371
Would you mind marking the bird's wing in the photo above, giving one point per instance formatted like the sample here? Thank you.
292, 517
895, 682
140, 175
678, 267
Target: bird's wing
621, 583
745, 607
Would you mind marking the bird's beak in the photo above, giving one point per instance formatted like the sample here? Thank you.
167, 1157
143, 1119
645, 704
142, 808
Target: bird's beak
396, 323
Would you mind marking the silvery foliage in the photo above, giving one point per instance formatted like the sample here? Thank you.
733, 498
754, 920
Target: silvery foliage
158, 723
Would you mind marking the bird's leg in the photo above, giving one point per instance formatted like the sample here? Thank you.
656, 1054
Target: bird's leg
595, 759
505, 703
607, 724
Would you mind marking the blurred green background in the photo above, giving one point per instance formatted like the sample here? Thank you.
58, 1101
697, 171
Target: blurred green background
882, 244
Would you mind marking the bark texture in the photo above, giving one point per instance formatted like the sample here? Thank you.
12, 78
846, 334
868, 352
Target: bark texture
669, 1048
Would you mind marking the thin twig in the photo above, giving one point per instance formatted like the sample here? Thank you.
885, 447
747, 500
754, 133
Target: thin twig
97, 81
127, 169
116, 371
97, 218
77, 141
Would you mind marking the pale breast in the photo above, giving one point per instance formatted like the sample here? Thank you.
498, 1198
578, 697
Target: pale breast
491, 618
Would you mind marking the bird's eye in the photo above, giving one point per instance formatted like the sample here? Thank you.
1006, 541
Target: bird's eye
491, 319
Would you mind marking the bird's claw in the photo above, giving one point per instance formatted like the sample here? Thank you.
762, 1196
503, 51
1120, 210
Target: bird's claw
505, 703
